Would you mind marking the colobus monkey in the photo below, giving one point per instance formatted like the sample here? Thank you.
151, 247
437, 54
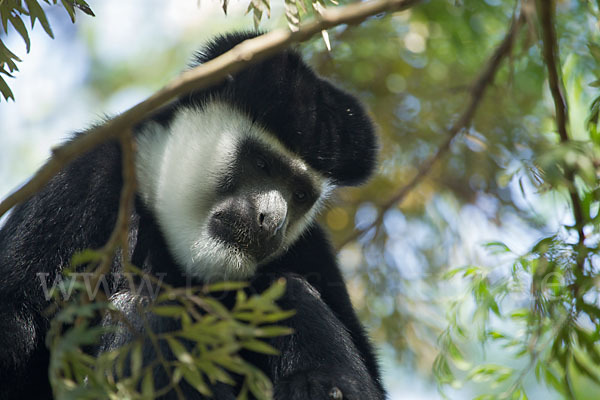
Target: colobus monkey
230, 179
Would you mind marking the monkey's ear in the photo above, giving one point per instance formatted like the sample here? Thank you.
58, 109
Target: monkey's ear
326, 126
350, 146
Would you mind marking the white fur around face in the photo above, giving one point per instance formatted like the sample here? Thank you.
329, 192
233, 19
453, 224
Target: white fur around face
178, 172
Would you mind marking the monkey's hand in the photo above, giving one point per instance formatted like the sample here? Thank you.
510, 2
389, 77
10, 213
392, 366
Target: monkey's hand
326, 385
319, 361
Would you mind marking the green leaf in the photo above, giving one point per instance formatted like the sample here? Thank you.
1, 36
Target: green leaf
225, 286
490, 373
273, 331
83, 6
519, 394
233, 364
68, 5
259, 384
452, 272
275, 292
442, 370
497, 247
180, 351
148, 384
216, 307
456, 356
592, 119
277, 316
7, 57
544, 245
292, 15
559, 349
20, 27
36, 12
584, 369
257, 7
214, 372
168, 311
495, 335
268, 318
260, 347
538, 371
4, 16
594, 51
551, 378
5, 90
592, 311
136, 359
194, 378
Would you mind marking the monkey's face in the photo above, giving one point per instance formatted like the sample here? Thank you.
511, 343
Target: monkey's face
228, 196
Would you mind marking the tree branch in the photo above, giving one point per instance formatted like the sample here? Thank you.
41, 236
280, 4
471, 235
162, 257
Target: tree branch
120, 234
485, 79
211, 72
551, 58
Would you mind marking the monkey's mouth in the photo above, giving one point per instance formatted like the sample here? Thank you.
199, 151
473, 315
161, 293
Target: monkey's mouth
244, 238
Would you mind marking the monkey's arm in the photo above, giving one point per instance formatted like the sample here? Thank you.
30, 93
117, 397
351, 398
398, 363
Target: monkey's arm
320, 357
329, 338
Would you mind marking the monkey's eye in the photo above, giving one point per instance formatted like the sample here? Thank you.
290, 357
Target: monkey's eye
261, 163
300, 196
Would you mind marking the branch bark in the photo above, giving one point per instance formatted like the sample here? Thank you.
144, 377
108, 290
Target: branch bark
551, 59
200, 77
485, 79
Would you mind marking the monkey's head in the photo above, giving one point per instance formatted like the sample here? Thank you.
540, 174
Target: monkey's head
235, 173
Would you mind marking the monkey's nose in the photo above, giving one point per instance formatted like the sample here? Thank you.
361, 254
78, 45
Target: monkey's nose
271, 223
271, 213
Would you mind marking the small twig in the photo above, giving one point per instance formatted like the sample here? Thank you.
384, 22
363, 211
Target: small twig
535, 350
551, 58
484, 80
211, 72
568, 383
163, 361
120, 233
128, 193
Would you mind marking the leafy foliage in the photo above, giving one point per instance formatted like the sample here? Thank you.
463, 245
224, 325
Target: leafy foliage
532, 306
11, 14
205, 349
548, 298
490, 319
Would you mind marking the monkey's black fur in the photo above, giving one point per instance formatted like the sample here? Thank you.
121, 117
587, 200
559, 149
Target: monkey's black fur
77, 210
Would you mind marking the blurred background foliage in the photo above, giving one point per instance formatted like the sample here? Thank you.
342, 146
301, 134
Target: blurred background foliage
450, 284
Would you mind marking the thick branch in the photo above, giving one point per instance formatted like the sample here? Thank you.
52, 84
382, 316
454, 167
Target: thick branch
551, 58
550, 51
204, 75
484, 80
